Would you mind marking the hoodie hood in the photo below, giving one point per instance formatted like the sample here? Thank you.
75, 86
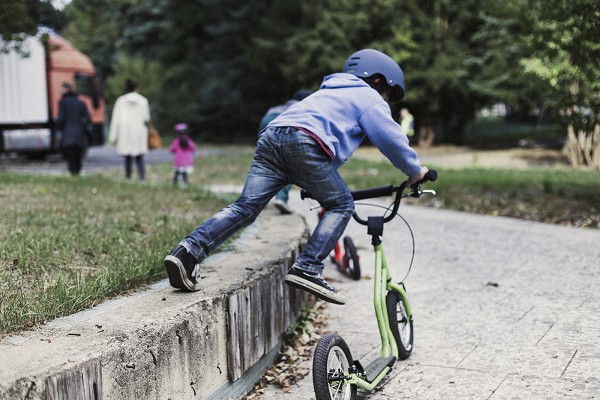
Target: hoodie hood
342, 80
134, 98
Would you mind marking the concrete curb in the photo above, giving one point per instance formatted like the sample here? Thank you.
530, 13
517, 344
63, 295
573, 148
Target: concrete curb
166, 344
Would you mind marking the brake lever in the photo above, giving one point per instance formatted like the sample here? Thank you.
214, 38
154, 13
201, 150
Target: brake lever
418, 192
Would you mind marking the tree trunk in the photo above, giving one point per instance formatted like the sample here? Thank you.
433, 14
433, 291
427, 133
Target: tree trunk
426, 136
596, 147
583, 148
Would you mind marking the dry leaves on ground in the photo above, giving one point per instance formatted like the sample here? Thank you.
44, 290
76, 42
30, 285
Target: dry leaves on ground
289, 367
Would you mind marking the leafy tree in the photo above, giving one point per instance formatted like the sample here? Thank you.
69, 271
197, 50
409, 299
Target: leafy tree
298, 43
94, 30
437, 37
205, 52
266, 82
200, 46
108, 31
14, 20
494, 67
20, 18
147, 74
44, 13
219, 64
565, 48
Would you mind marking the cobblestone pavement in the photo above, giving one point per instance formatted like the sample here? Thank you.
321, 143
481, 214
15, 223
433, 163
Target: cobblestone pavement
504, 308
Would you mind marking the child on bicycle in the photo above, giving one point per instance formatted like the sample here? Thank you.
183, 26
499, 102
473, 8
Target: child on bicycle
183, 148
305, 145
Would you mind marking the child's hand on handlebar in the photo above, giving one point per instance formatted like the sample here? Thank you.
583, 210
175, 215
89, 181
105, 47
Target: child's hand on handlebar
416, 178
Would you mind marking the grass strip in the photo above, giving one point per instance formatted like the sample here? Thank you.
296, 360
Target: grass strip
68, 243
553, 195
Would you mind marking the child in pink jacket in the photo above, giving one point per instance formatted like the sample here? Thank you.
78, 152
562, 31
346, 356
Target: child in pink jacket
183, 149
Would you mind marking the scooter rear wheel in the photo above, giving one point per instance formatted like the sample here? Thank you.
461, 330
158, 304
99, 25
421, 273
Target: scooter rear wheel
351, 258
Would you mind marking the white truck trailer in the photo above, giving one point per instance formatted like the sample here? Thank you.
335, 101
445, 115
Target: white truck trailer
30, 92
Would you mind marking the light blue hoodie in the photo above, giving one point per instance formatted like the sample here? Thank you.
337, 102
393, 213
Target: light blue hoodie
342, 113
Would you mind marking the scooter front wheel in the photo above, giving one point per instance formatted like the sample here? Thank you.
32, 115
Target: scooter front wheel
331, 365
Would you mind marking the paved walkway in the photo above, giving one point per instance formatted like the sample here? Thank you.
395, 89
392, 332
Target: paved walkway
504, 308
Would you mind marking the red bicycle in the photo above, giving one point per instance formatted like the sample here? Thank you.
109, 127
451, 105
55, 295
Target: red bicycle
347, 261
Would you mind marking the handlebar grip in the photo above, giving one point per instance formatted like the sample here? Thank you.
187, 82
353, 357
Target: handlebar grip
374, 192
430, 176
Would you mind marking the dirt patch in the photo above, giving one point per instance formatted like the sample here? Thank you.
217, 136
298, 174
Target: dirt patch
447, 156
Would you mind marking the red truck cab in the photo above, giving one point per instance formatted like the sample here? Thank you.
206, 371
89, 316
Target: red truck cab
30, 93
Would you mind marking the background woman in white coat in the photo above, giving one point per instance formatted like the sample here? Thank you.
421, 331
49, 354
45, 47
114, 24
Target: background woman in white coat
129, 128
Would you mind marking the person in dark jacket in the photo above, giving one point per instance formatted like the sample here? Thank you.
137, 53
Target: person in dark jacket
73, 119
281, 198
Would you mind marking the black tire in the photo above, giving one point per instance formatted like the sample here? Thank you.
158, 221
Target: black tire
332, 358
36, 156
401, 326
351, 256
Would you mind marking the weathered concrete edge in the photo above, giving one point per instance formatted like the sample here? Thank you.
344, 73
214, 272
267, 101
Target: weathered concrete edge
162, 343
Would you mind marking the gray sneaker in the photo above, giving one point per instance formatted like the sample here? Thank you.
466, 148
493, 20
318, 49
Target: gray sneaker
183, 269
313, 283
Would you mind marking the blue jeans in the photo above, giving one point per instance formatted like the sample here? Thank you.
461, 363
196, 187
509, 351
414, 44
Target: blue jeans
283, 156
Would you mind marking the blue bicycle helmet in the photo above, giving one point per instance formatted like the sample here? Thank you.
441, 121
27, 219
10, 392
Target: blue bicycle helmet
368, 62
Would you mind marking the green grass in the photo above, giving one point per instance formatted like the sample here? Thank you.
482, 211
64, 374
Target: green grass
229, 166
553, 195
69, 243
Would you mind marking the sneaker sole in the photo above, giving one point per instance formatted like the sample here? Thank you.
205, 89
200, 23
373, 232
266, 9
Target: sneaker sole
178, 276
317, 290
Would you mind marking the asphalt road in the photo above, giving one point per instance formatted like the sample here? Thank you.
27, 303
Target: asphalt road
97, 158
